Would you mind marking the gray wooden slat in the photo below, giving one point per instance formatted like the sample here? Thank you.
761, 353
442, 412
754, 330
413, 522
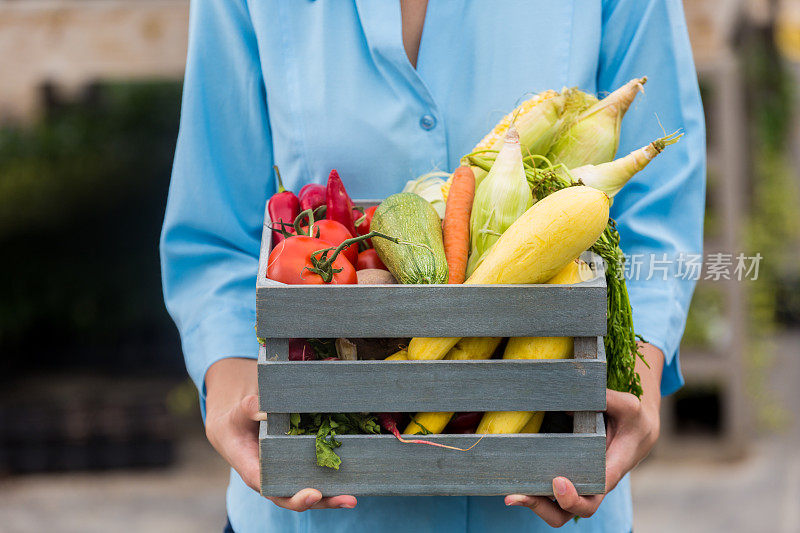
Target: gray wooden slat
430, 311
600, 427
380, 465
588, 349
407, 386
276, 349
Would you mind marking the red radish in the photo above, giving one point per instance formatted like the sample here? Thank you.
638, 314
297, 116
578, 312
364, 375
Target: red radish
301, 350
464, 422
388, 421
311, 196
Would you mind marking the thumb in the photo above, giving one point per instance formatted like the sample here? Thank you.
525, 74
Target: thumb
249, 408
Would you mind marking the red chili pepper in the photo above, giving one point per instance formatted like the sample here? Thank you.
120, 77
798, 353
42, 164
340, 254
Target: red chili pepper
365, 219
339, 206
312, 196
284, 206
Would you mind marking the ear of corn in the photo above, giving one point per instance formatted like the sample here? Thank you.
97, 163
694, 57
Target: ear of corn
539, 121
535, 248
500, 199
534, 348
594, 137
612, 176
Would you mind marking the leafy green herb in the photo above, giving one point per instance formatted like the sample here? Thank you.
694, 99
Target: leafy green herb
620, 340
326, 426
324, 348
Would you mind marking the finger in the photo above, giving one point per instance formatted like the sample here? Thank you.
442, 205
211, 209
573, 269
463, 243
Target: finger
547, 510
619, 460
336, 502
620, 404
249, 407
569, 499
312, 499
242, 454
303, 500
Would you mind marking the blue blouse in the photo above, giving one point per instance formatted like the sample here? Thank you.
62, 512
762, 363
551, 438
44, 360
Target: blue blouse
311, 86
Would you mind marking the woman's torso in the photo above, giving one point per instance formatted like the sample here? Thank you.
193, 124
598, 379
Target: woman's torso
342, 93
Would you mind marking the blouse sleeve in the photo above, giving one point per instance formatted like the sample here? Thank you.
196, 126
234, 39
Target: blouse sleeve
660, 212
221, 179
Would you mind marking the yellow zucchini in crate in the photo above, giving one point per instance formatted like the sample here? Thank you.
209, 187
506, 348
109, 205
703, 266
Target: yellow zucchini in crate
545, 238
534, 348
401, 355
535, 423
465, 349
473, 348
432, 422
533, 249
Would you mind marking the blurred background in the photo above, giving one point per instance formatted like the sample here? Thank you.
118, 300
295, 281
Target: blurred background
99, 425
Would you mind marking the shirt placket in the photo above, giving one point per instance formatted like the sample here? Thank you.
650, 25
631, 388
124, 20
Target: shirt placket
381, 23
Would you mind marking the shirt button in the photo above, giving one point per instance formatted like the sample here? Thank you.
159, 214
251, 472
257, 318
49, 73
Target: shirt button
427, 122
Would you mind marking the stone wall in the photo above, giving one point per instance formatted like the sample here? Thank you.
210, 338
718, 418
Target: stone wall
72, 42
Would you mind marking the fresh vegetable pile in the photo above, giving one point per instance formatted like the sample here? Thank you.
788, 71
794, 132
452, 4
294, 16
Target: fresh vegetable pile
529, 199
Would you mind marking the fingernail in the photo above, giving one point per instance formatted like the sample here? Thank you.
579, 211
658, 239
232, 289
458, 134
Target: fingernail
311, 500
346, 506
560, 486
514, 501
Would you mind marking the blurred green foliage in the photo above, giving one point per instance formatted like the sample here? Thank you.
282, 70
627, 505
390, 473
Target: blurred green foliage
82, 194
772, 222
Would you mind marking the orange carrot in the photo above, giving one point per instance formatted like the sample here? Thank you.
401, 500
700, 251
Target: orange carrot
455, 229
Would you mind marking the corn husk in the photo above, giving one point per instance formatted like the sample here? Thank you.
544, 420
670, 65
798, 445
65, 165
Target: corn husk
612, 176
499, 200
594, 138
429, 186
539, 120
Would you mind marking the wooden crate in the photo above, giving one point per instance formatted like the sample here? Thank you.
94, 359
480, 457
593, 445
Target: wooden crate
379, 464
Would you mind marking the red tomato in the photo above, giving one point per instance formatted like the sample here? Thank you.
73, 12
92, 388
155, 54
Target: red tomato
335, 233
369, 259
288, 262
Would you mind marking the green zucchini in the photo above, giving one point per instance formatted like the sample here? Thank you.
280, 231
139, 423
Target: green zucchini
410, 218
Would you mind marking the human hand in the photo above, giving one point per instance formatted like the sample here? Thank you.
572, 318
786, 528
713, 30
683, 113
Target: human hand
232, 418
631, 432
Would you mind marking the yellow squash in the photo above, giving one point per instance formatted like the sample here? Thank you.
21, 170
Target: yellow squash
534, 348
533, 249
466, 348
